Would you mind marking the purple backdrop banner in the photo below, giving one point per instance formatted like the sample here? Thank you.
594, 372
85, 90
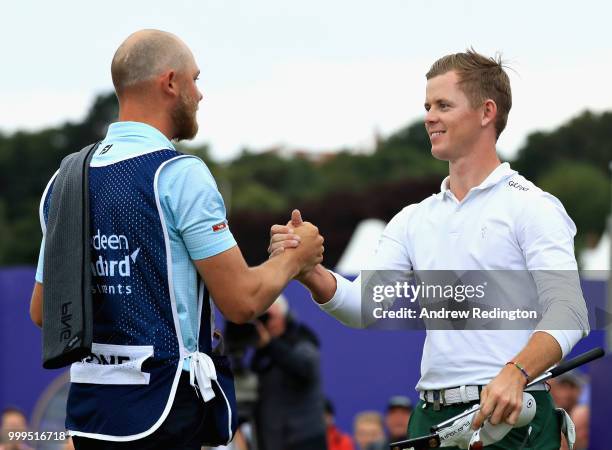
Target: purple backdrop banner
361, 369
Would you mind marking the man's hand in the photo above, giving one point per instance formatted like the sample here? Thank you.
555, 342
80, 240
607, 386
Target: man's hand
283, 236
290, 236
502, 399
310, 249
319, 281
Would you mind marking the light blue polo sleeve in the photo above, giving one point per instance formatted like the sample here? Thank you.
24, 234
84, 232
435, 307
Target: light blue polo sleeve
41, 260
191, 200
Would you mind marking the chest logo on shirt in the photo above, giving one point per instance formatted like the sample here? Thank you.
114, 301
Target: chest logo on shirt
219, 227
106, 149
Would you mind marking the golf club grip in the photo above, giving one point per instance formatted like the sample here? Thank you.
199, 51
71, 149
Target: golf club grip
577, 361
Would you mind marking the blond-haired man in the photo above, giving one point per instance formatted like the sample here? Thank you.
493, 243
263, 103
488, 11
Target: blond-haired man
368, 429
485, 217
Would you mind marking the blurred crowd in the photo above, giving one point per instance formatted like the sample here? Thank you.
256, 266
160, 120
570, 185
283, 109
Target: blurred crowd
282, 405
286, 365
571, 392
372, 430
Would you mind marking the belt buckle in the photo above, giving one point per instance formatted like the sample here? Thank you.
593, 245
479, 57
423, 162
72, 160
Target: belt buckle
436, 403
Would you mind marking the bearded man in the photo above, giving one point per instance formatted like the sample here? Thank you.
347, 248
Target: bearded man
157, 224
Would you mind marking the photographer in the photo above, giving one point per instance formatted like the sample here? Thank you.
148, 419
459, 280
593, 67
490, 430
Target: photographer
289, 410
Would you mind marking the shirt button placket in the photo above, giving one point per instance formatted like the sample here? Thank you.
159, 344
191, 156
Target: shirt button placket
455, 219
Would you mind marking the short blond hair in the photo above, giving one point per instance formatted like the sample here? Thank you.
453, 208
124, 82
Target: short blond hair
368, 417
480, 78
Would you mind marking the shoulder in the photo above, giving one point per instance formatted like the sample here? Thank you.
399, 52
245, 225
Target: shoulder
524, 191
402, 218
535, 196
186, 171
182, 165
409, 215
534, 204
519, 187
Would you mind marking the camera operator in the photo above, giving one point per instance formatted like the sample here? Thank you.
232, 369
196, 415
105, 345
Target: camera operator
289, 410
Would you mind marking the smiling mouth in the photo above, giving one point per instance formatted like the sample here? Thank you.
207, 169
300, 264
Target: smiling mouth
434, 134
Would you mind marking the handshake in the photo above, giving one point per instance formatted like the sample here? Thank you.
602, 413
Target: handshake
300, 241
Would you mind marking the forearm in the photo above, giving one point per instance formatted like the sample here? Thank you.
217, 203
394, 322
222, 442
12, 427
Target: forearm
242, 292
264, 283
321, 284
269, 279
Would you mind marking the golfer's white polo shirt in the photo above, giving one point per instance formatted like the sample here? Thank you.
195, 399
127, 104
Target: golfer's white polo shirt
505, 223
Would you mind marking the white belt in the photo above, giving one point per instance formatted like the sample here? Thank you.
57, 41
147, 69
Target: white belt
462, 394
202, 369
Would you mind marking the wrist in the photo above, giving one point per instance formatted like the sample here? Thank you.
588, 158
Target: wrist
519, 370
287, 261
308, 278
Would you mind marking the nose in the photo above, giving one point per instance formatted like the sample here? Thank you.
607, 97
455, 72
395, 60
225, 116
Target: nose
200, 96
430, 117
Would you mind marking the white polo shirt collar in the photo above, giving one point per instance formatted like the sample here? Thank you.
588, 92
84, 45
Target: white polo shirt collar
498, 174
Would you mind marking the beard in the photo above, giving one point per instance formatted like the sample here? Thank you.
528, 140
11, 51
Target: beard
184, 118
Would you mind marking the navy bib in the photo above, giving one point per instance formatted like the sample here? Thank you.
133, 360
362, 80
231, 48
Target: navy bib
124, 390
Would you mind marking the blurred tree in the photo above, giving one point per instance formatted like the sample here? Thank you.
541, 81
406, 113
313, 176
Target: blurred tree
586, 138
27, 162
585, 192
253, 196
346, 171
412, 136
23, 244
4, 233
261, 187
407, 154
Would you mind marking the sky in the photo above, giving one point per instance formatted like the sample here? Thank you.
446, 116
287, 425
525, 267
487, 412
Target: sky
317, 75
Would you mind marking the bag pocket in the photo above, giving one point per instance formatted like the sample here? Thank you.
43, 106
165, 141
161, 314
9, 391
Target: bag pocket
221, 418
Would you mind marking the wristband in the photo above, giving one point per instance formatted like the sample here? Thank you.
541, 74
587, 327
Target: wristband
521, 368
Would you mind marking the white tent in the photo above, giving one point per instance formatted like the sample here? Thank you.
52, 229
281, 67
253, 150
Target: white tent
595, 262
360, 249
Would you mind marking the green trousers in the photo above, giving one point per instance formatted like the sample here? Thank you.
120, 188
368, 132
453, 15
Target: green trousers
545, 428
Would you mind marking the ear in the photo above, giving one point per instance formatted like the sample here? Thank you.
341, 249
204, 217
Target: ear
489, 112
169, 83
